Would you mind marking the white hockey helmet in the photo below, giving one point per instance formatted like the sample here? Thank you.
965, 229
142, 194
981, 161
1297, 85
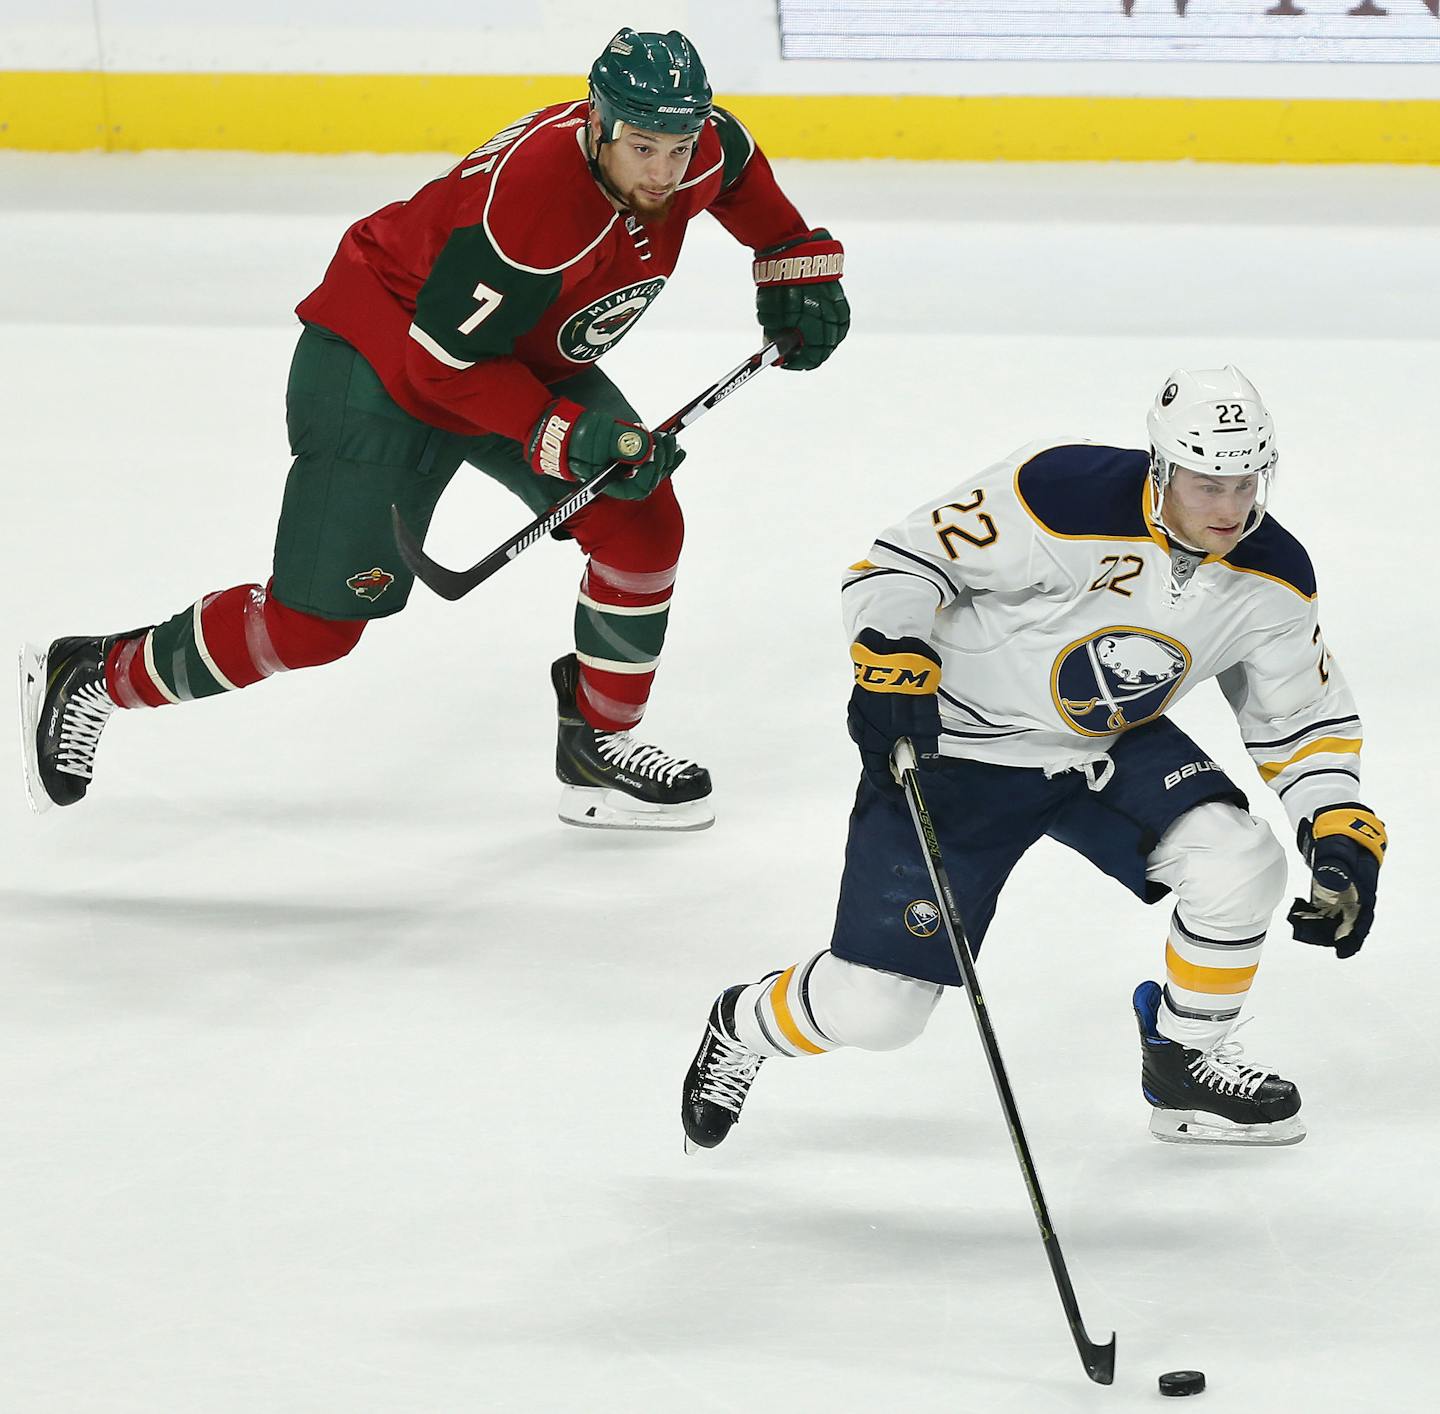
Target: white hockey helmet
1211, 420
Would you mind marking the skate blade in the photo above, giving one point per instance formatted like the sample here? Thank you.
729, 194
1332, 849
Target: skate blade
32, 696
594, 808
1197, 1127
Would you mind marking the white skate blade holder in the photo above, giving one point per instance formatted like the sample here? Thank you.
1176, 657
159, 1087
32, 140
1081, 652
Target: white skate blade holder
32, 695
1197, 1127
596, 808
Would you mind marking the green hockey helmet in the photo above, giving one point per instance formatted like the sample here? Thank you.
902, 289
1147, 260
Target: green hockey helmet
651, 81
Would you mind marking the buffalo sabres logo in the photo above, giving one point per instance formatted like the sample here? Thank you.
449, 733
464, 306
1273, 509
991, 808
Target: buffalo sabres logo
1117, 678
922, 918
586, 335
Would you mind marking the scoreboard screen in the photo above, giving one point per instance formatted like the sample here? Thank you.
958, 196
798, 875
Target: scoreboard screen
1136, 31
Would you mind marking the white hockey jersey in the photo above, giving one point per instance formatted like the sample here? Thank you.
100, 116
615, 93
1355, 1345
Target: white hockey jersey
1050, 595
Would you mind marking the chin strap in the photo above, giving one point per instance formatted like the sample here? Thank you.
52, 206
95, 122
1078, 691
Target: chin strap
592, 160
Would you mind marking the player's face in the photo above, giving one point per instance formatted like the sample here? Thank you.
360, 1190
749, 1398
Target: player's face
644, 169
1209, 512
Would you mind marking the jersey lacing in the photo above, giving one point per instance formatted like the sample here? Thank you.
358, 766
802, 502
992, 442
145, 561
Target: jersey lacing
627, 754
729, 1072
1221, 1070
84, 719
637, 234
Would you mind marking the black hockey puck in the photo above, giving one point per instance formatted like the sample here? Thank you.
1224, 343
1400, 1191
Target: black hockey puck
1182, 1382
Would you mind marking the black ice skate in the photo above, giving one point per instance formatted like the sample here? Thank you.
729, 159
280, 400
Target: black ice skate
719, 1078
63, 709
613, 782
1210, 1097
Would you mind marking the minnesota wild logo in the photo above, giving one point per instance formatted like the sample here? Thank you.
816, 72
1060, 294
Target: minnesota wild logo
586, 335
372, 583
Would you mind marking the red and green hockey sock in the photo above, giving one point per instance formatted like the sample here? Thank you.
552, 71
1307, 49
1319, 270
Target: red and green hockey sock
221, 643
620, 622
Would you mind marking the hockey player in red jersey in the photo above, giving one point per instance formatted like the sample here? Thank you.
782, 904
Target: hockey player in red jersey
465, 325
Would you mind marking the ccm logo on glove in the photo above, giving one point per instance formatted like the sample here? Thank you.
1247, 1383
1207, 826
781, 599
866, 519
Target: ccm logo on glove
897, 682
894, 671
1364, 827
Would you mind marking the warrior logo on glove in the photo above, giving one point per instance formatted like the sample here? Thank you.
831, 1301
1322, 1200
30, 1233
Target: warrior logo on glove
797, 291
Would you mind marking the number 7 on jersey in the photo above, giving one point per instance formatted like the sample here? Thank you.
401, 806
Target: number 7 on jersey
489, 303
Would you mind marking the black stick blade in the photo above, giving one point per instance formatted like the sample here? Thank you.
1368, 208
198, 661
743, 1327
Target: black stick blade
448, 584
1099, 1360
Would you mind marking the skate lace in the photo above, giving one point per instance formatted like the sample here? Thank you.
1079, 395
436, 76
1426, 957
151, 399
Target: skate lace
623, 751
1220, 1069
84, 719
730, 1071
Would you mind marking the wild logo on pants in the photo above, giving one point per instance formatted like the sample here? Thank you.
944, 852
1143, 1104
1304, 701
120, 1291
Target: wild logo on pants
372, 583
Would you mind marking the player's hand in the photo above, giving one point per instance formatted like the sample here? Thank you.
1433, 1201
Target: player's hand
896, 682
665, 455
577, 444
1344, 847
797, 289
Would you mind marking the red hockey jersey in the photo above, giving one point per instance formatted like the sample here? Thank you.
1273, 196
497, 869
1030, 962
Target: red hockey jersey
514, 271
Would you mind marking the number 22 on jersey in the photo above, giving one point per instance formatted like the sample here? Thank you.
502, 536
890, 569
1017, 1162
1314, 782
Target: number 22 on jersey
980, 532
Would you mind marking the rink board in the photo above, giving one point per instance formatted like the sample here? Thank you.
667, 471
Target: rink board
82, 110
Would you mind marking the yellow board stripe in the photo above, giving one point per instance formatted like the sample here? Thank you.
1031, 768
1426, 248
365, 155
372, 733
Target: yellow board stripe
77, 110
1333, 745
1217, 981
781, 1006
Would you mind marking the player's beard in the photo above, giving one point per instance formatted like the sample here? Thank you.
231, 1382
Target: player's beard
648, 210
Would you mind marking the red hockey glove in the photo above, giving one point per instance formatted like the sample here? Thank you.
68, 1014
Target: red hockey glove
577, 444
798, 288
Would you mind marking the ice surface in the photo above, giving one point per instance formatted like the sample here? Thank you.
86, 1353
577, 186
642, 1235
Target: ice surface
338, 1075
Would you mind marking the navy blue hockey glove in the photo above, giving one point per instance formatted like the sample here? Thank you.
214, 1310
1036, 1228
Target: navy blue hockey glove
895, 695
1344, 847
797, 288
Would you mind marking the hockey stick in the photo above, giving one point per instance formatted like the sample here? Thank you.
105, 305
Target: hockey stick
455, 584
1099, 1360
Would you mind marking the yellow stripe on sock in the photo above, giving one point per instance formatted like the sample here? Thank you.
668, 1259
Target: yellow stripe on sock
1217, 981
781, 1007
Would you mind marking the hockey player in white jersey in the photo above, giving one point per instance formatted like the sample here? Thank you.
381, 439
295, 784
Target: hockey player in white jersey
1027, 631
